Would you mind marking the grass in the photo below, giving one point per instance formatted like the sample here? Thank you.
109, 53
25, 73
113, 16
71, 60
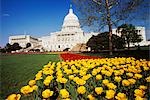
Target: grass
17, 70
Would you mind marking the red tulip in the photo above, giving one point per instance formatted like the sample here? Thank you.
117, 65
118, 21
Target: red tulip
71, 56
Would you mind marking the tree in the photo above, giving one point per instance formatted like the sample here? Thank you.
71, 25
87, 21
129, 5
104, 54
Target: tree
16, 46
8, 47
100, 13
28, 45
136, 38
2, 50
129, 34
13, 47
94, 43
100, 42
37, 50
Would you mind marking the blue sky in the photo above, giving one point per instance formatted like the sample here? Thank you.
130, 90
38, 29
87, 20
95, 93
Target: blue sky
34, 17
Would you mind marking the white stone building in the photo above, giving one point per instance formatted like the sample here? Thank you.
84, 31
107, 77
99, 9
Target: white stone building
23, 40
70, 36
140, 31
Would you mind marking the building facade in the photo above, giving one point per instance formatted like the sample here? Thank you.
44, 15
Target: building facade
70, 36
140, 31
23, 40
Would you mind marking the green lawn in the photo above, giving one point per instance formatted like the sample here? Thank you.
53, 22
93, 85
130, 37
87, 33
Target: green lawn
17, 70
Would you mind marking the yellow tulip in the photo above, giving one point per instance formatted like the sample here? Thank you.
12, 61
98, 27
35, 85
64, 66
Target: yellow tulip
71, 77
147, 79
132, 81
105, 82
137, 76
138, 92
26, 89
108, 73
94, 72
63, 80
81, 90
32, 82
64, 93
34, 87
91, 97
47, 93
121, 96
142, 87
125, 83
129, 74
110, 94
117, 78
139, 98
38, 76
111, 86
98, 77
48, 80
98, 90
80, 81
86, 77
66, 99
14, 97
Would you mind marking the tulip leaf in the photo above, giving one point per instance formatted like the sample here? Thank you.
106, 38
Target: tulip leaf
73, 92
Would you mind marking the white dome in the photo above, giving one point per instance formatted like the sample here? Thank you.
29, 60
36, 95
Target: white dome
71, 16
71, 20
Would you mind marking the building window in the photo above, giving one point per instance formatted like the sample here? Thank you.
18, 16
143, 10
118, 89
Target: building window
58, 46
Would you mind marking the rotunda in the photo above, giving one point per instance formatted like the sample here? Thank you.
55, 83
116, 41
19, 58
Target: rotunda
71, 22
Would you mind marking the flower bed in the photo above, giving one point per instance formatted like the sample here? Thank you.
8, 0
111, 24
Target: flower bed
93, 79
70, 56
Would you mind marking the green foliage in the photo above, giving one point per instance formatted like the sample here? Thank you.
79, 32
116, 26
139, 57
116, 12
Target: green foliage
13, 47
101, 42
16, 46
129, 34
7, 47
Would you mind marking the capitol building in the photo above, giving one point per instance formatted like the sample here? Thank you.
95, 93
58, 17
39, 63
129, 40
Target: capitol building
71, 37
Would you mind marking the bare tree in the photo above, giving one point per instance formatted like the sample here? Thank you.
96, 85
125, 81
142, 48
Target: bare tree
101, 13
